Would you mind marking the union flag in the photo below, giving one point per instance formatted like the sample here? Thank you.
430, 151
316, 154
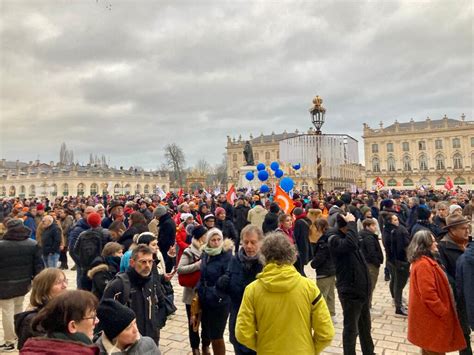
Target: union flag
283, 200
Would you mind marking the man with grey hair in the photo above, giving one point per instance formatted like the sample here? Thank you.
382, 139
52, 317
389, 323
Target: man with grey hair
263, 325
51, 241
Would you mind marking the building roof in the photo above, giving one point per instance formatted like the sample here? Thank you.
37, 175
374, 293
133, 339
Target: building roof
269, 137
423, 124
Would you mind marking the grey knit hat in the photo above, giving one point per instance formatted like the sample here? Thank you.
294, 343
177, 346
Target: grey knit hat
159, 211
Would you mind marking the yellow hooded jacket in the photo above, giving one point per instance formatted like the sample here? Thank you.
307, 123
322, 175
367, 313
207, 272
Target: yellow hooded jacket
284, 313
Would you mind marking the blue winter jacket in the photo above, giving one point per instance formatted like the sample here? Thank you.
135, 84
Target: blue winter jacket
465, 281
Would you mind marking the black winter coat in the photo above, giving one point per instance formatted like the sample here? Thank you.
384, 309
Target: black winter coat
449, 252
51, 239
426, 225
270, 223
20, 262
301, 236
167, 233
77, 229
102, 271
240, 217
322, 260
23, 328
352, 275
127, 237
395, 240
212, 268
228, 230
370, 248
145, 300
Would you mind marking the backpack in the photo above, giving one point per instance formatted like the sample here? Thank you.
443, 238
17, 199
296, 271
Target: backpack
90, 248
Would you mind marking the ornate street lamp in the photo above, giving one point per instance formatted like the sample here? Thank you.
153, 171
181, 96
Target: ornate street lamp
317, 114
317, 118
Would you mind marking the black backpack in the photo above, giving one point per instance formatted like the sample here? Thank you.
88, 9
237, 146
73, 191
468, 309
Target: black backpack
91, 248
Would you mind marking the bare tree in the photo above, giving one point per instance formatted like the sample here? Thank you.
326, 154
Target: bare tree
175, 159
203, 167
221, 171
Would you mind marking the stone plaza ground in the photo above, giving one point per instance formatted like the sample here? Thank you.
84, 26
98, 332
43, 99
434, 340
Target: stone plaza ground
388, 332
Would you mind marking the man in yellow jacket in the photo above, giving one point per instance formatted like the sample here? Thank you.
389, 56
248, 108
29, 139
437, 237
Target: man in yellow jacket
283, 312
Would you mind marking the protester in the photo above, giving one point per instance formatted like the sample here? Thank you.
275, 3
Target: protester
241, 212
285, 225
353, 285
257, 214
215, 304
20, 261
465, 281
115, 214
51, 241
66, 222
120, 333
301, 232
166, 235
430, 300
47, 285
242, 270
68, 321
226, 225
104, 268
137, 225
324, 265
302, 326
314, 233
270, 223
189, 271
147, 297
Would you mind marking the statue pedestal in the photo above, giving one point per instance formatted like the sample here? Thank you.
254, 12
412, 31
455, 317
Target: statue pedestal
243, 182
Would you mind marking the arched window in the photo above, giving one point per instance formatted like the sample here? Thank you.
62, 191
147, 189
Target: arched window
459, 181
80, 189
376, 165
3, 191
54, 190
391, 166
234, 157
439, 162
128, 189
32, 190
138, 189
392, 182
117, 189
12, 191
94, 189
406, 163
267, 155
441, 181
424, 182
65, 189
408, 182
457, 161
423, 162
22, 190
146, 189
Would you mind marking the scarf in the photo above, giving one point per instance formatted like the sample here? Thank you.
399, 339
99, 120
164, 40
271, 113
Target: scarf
137, 279
213, 251
248, 261
79, 337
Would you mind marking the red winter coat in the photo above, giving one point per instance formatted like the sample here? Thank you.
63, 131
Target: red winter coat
46, 346
432, 319
181, 241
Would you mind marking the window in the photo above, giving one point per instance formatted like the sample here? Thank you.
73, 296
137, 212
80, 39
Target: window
117, 189
3, 191
392, 182
406, 146
32, 190
439, 162
472, 161
459, 181
54, 190
376, 165
234, 157
12, 191
472, 141
456, 143
267, 155
80, 189
438, 144
421, 145
375, 148
389, 147
408, 182
441, 181
255, 156
146, 189
391, 164
406, 163
65, 189
128, 189
457, 161
423, 162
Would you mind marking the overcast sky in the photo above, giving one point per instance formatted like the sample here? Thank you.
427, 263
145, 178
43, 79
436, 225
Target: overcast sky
125, 78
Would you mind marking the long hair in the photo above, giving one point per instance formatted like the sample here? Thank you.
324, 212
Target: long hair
420, 245
42, 285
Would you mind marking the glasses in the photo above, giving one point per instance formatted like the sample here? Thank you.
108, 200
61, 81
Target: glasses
60, 282
94, 318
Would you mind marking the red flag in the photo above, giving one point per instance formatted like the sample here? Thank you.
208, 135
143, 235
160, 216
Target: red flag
448, 185
379, 182
180, 192
231, 195
283, 200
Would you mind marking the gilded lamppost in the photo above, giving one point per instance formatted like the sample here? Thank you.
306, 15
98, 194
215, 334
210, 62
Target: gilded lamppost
318, 112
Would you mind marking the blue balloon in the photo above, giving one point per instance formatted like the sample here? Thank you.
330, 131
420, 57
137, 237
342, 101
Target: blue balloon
260, 166
274, 166
279, 173
264, 188
297, 166
249, 176
287, 184
262, 175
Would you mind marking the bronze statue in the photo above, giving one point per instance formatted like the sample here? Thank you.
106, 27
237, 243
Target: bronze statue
248, 154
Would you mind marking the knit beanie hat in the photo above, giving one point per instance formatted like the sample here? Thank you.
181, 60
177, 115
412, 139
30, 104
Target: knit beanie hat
94, 220
423, 213
364, 210
14, 222
219, 210
114, 317
453, 208
159, 211
40, 207
199, 231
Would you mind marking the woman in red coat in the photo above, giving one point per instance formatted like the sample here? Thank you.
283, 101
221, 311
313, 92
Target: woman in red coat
432, 319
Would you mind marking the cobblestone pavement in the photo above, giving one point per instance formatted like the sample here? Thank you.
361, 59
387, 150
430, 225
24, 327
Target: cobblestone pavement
388, 331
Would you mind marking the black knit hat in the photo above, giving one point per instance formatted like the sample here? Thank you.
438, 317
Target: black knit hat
114, 317
199, 231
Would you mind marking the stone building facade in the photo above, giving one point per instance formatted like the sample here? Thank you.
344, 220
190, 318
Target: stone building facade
424, 153
36, 179
266, 149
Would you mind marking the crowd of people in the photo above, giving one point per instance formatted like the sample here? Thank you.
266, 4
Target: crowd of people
241, 264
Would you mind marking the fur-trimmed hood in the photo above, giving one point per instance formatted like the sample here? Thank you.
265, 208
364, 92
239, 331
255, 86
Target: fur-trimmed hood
227, 246
97, 269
